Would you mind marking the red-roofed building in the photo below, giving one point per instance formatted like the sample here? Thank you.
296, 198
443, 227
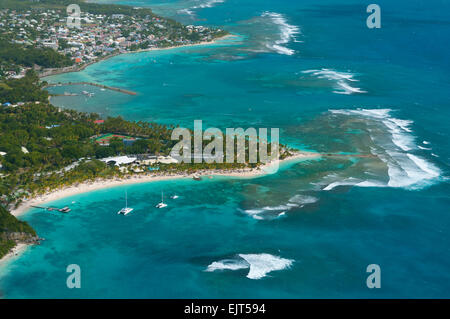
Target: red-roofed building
99, 121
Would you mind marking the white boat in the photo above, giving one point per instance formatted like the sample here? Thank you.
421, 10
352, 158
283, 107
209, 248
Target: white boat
174, 196
162, 204
126, 210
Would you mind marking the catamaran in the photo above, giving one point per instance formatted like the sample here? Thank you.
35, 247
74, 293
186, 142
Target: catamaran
126, 210
162, 204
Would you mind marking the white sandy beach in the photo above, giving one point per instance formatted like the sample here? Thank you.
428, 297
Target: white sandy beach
102, 183
185, 45
15, 252
145, 178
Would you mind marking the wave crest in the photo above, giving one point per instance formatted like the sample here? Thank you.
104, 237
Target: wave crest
405, 170
287, 32
259, 265
341, 80
200, 5
272, 212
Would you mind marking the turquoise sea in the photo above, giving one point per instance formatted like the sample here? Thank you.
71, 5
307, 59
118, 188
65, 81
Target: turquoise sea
314, 70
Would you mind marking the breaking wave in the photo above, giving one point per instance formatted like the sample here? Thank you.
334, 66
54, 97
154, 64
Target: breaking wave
199, 4
394, 148
272, 212
259, 265
341, 80
228, 264
287, 33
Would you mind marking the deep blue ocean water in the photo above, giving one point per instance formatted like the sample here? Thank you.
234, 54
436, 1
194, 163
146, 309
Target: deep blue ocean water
330, 84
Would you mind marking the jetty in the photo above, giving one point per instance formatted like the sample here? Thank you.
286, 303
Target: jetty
94, 84
65, 209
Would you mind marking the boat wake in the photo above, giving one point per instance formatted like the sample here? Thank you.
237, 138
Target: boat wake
341, 80
259, 265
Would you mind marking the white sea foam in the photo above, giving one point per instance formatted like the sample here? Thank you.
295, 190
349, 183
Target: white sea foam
354, 182
374, 113
207, 4
397, 127
429, 168
267, 212
347, 182
262, 264
259, 265
404, 169
200, 4
344, 88
303, 200
228, 264
341, 80
282, 214
287, 33
370, 184
424, 148
186, 11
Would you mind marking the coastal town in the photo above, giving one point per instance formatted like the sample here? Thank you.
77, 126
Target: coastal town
94, 36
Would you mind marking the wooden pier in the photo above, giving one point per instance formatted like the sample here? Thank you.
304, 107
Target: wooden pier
65, 209
94, 84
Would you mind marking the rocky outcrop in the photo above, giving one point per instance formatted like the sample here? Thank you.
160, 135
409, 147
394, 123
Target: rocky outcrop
20, 237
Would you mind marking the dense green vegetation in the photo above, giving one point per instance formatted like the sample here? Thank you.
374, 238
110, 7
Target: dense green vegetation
41, 141
62, 4
26, 89
6, 246
90, 7
10, 224
14, 57
28, 56
55, 138
44, 147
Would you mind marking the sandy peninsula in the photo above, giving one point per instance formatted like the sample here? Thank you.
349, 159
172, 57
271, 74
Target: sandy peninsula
154, 177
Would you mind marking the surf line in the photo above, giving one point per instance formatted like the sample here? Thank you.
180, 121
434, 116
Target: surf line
347, 155
95, 84
196, 309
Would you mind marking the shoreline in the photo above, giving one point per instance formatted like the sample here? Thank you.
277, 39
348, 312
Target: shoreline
15, 252
58, 71
98, 184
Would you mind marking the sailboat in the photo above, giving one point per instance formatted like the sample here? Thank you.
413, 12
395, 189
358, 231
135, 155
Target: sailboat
126, 210
162, 204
